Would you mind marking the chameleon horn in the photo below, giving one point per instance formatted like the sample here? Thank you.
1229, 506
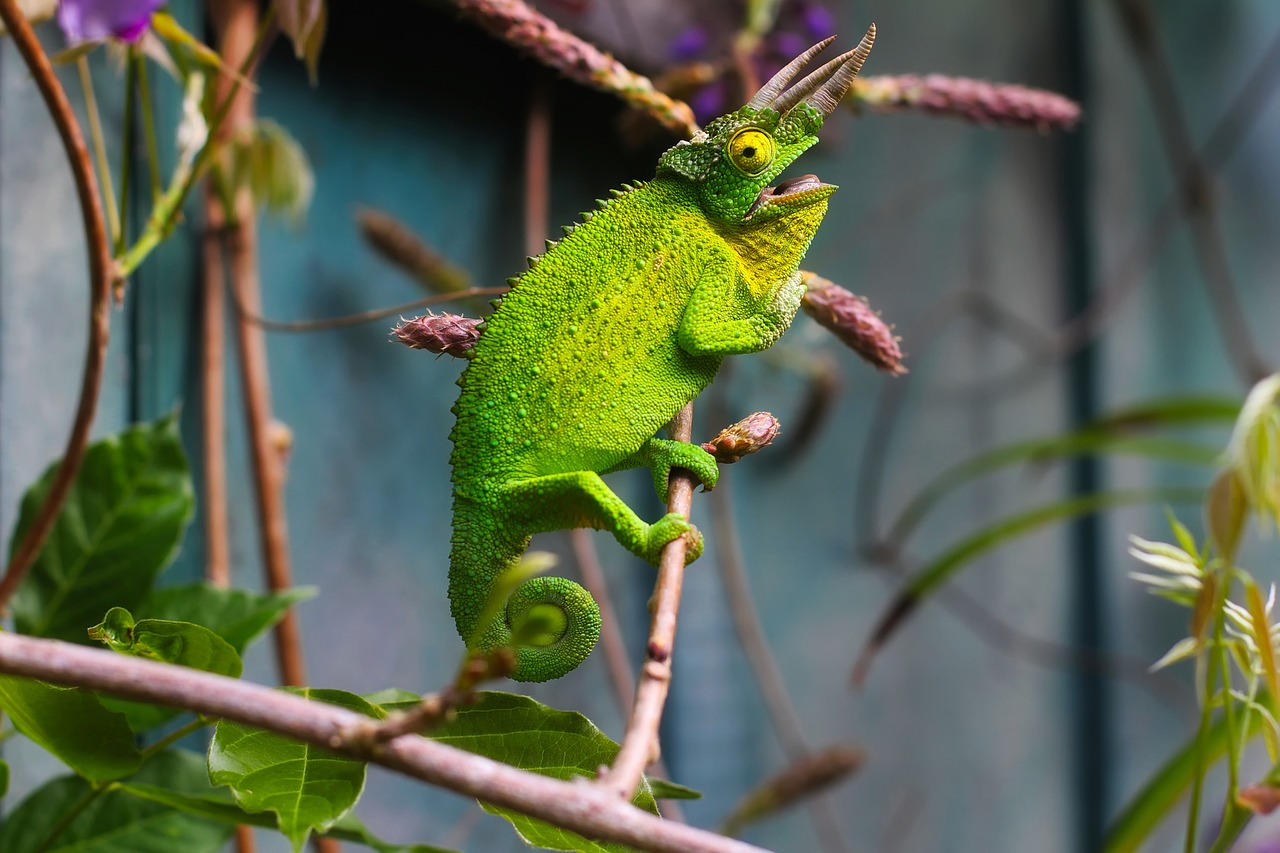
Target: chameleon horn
828, 96
779, 81
806, 87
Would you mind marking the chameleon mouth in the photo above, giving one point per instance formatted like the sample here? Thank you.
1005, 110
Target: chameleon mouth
791, 190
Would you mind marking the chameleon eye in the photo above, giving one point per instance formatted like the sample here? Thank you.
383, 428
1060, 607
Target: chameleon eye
751, 150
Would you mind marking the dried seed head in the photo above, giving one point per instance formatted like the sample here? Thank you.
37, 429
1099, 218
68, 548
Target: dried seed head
747, 436
443, 334
851, 319
978, 101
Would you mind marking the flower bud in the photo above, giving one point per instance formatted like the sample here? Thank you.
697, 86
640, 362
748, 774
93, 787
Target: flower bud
851, 319
747, 436
443, 334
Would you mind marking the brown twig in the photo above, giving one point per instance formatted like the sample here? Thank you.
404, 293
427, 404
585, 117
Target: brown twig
239, 20
579, 806
99, 251
213, 389
640, 741
764, 667
524, 27
1192, 176
252, 317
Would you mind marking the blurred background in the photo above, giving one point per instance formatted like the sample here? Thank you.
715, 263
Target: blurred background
1039, 281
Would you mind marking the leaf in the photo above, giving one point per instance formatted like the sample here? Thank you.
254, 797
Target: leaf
180, 643
235, 615
1091, 440
941, 568
120, 527
304, 22
219, 805
115, 822
519, 731
1159, 797
4, 777
1226, 511
307, 787
73, 725
665, 789
183, 643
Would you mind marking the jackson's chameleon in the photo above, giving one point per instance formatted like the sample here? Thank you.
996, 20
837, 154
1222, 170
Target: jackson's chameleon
608, 335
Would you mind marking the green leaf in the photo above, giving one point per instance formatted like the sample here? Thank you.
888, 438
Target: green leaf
219, 805
1091, 440
519, 731
304, 22
307, 787
233, 614
183, 643
4, 777
1162, 793
180, 643
942, 568
665, 789
73, 725
120, 527
114, 822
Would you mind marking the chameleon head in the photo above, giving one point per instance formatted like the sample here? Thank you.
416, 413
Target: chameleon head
734, 160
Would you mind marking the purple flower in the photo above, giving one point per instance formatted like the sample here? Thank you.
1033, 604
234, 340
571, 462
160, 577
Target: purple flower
93, 20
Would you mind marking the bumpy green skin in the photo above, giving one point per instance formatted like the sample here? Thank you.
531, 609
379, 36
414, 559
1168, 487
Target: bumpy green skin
595, 348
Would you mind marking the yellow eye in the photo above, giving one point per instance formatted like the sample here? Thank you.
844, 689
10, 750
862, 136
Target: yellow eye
751, 150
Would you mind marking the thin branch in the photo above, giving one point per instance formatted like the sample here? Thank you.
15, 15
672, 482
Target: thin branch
251, 316
764, 667
1192, 176
213, 390
99, 252
237, 19
579, 806
640, 741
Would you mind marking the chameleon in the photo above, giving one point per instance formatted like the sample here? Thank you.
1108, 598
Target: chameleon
607, 336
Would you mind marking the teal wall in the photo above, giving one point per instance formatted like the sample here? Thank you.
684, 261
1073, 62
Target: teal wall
971, 717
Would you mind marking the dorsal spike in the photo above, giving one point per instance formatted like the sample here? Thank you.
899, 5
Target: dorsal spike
532, 260
551, 244
779, 81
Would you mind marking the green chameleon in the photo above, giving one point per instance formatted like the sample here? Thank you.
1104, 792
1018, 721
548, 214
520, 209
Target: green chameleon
607, 336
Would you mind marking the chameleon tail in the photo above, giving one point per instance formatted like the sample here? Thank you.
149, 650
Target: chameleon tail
551, 623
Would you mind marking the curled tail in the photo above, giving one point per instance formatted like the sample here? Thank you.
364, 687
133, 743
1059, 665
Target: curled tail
552, 623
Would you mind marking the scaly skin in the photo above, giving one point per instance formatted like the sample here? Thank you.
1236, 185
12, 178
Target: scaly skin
600, 343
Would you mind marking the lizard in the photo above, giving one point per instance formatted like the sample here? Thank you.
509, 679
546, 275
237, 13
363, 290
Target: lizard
607, 336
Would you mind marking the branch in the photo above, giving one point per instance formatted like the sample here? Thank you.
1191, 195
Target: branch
99, 296
581, 807
640, 741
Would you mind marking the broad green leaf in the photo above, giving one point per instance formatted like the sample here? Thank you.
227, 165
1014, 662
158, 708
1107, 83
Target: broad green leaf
120, 527
308, 788
180, 643
183, 643
115, 822
942, 568
233, 614
393, 699
665, 789
73, 725
219, 805
1162, 793
519, 731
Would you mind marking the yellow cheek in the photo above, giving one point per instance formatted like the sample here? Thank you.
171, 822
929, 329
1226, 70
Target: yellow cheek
751, 150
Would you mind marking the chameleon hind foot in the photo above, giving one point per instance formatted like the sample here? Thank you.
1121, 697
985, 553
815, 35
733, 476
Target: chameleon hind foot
672, 526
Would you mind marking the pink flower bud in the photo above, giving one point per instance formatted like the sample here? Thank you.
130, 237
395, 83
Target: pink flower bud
443, 334
749, 435
851, 319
